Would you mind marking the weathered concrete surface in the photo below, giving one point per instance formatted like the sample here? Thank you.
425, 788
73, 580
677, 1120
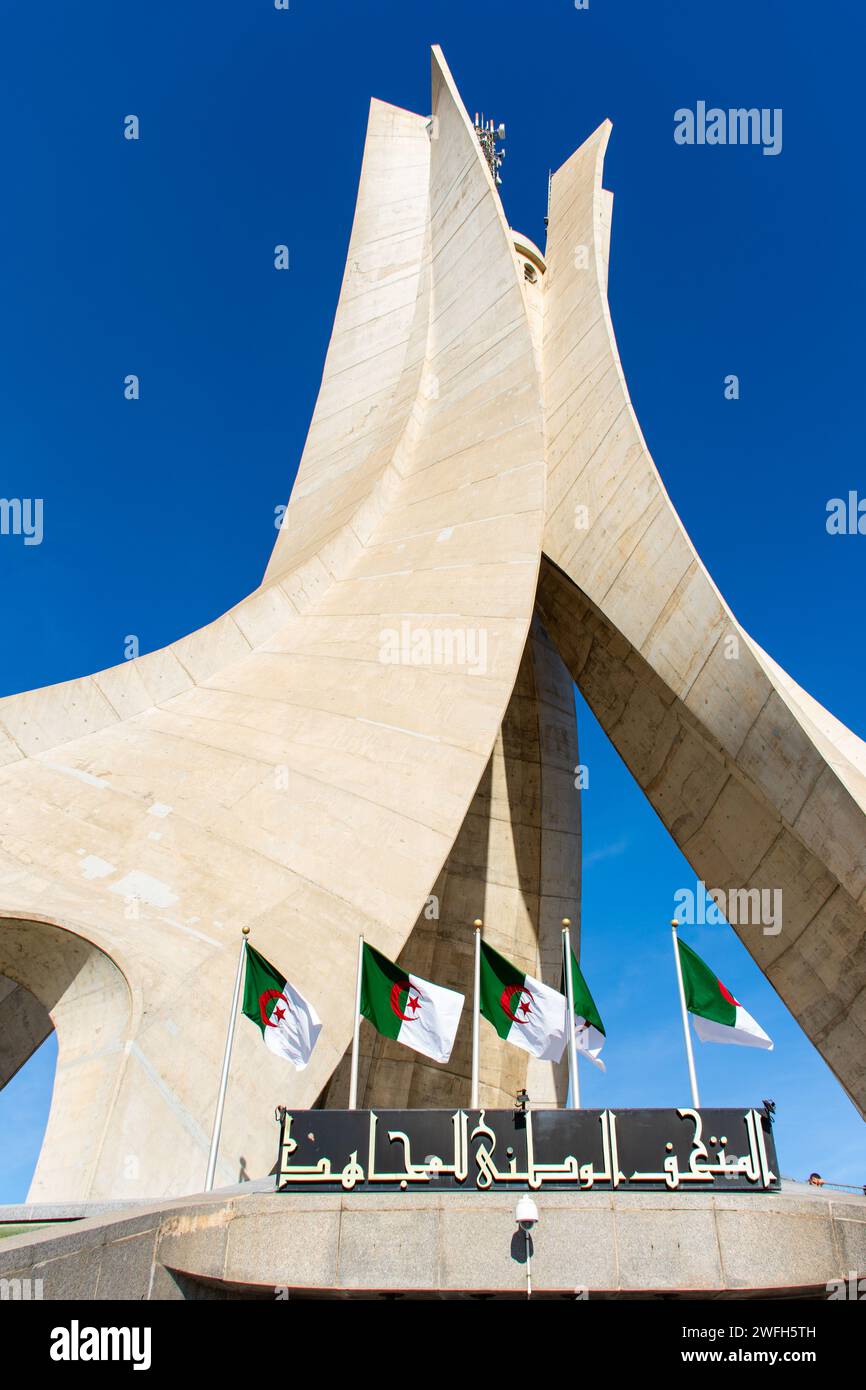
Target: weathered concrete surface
24, 1026
369, 728
516, 865
274, 769
758, 785
442, 1245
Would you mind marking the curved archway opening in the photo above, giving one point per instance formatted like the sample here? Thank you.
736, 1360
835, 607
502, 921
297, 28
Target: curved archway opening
55, 981
28, 1061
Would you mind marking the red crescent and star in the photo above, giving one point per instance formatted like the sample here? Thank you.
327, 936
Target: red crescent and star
413, 1001
524, 1007
278, 1014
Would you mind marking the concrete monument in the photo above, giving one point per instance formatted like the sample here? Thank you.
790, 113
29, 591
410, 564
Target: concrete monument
381, 738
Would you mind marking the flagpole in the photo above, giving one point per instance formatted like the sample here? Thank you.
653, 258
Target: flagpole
569, 994
227, 1057
687, 1035
476, 1012
353, 1083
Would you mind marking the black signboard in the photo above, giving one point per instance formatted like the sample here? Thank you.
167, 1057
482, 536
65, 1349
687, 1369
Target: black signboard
567, 1150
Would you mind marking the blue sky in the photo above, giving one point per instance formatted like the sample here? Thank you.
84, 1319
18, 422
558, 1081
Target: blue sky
156, 257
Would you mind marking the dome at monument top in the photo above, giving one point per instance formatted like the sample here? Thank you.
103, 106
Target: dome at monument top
530, 253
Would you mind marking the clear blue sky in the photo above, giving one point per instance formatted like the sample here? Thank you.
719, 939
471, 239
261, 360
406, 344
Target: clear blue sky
156, 258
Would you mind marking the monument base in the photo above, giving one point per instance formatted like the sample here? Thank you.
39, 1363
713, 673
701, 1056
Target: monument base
439, 1244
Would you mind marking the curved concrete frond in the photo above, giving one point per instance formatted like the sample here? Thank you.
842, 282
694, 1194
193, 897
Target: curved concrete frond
758, 785
304, 764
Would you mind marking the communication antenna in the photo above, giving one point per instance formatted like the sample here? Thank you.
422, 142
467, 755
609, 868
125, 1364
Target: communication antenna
489, 135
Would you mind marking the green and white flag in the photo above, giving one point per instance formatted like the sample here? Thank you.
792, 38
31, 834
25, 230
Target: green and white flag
522, 1009
405, 1007
288, 1022
589, 1034
717, 1014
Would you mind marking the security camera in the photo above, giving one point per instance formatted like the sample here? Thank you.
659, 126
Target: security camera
526, 1213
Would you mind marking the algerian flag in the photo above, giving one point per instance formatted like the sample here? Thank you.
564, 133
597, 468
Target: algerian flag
718, 1016
405, 1007
522, 1009
289, 1023
589, 1034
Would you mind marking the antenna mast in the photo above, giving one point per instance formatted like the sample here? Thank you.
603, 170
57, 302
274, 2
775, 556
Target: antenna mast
488, 137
